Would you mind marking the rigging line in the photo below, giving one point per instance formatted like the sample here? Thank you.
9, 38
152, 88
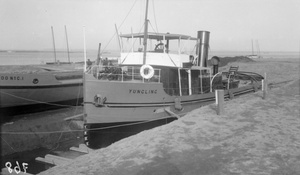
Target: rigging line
133, 44
172, 60
154, 15
141, 12
36, 101
184, 46
196, 47
119, 26
152, 27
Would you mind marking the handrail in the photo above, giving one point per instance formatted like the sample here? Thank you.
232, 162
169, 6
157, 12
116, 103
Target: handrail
256, 77
211, 81
122, 73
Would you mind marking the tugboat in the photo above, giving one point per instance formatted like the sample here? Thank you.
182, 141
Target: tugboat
152, 86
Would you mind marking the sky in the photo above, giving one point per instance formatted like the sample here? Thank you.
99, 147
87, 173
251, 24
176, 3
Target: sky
233, 24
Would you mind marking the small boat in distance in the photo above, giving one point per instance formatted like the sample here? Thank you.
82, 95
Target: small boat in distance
255, 56
152, 86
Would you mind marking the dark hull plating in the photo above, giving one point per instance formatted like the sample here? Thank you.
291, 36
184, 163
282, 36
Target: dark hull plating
96, 138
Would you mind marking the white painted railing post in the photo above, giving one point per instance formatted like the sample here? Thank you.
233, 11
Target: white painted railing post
264, 86
220, 101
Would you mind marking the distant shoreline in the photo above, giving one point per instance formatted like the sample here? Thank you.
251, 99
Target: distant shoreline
113, 51
35, 51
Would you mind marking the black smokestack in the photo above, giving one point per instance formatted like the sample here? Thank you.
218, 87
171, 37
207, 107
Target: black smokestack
202, 49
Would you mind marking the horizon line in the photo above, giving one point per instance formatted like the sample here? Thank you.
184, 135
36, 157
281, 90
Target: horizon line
111, 50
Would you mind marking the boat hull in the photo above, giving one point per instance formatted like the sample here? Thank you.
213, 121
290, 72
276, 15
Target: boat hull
17, 90
116, 131
21, 96
125, 113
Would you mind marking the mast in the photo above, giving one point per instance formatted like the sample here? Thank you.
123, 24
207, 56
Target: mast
258, 49
67, 44
252, 47
84, 49
53, 44
145, 34
119, 40
99, 55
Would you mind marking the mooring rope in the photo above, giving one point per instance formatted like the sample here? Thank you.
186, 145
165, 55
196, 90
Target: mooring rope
36, 101
8, 144
92, 129
28, 133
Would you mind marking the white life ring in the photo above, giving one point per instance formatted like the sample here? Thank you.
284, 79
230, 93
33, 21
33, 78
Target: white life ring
150, 71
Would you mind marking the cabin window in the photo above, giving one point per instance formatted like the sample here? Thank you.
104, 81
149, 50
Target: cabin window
184, 82
200, 82
169, 78
196, 84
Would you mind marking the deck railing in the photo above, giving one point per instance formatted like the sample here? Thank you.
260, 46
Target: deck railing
123, 74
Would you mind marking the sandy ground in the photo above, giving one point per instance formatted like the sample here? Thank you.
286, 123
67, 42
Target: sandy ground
254, 136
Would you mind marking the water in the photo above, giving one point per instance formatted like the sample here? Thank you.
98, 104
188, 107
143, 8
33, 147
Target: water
42, 57
284, 55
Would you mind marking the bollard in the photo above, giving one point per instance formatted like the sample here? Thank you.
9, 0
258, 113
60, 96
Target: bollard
264, 86
220, 101
231, 95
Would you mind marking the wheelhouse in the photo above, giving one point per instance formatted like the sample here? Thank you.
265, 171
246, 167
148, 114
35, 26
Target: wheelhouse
174, 63
163, 49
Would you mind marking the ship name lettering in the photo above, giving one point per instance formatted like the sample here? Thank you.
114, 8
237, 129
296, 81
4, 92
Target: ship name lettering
17, 78
143, 91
